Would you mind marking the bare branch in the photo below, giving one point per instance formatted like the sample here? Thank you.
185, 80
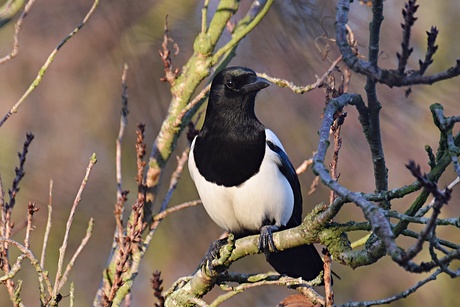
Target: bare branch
31, 209
63, 248
161, 215
431, 50
34, 261
384, 76
45, 240
329, 293
396, 297
45, 66
307, 88
175, 178
123, 121
335, 131
408, 12
17, 28
82, 245
249, 281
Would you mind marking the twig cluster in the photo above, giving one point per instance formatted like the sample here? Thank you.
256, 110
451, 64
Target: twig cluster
390, 77
49, 294
132, 236
7, 223
128, 237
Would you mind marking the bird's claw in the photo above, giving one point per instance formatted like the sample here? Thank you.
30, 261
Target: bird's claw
212, 253
266, 243
215, 257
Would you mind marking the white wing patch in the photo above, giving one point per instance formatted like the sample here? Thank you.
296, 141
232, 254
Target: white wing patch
267, 194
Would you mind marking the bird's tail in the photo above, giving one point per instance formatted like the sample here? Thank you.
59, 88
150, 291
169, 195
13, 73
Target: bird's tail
301, 261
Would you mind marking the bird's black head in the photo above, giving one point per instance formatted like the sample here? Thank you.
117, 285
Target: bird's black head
237, 82
232, 94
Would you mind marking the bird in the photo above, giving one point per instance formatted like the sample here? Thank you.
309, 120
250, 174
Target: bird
243, 175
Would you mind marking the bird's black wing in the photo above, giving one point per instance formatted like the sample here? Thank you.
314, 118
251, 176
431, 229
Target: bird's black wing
301, 261
287, 169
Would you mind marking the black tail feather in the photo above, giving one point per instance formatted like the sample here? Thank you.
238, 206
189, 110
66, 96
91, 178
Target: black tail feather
302, 261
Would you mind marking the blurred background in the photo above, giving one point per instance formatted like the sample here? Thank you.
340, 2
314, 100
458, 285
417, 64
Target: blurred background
76, 111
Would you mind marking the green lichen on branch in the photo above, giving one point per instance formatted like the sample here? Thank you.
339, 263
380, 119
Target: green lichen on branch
192, 74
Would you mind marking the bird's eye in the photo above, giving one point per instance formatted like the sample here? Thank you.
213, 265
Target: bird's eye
231, 84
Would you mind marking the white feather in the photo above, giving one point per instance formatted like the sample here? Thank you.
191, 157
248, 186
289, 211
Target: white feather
267, 194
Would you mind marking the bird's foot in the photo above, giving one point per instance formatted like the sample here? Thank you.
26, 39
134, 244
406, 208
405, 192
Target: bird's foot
266, 243
215, 257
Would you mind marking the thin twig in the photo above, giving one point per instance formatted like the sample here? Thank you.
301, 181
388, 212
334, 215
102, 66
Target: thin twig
425, 209
15, 268
313, 185
302, 168
191, 106
45, 240
31, 209
385, 76
34, 261
247, 282
72, 294
396, 297
204, 16
335, 131
441, 198
430, 50
161, 215
82, 245
17, 29
408, 12
328, 292
123, 121
303, 89
238, 36
175, 177
3, 209
63, 247
45, 66
121, 195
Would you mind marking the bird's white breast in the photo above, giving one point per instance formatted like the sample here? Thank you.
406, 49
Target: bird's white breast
266, 195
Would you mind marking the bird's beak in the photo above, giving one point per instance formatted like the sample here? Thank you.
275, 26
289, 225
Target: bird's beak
258, 84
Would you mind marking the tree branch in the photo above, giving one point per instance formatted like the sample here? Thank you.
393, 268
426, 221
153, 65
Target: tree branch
45, 66
384, 76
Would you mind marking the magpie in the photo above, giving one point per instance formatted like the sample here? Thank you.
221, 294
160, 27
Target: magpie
243, 175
